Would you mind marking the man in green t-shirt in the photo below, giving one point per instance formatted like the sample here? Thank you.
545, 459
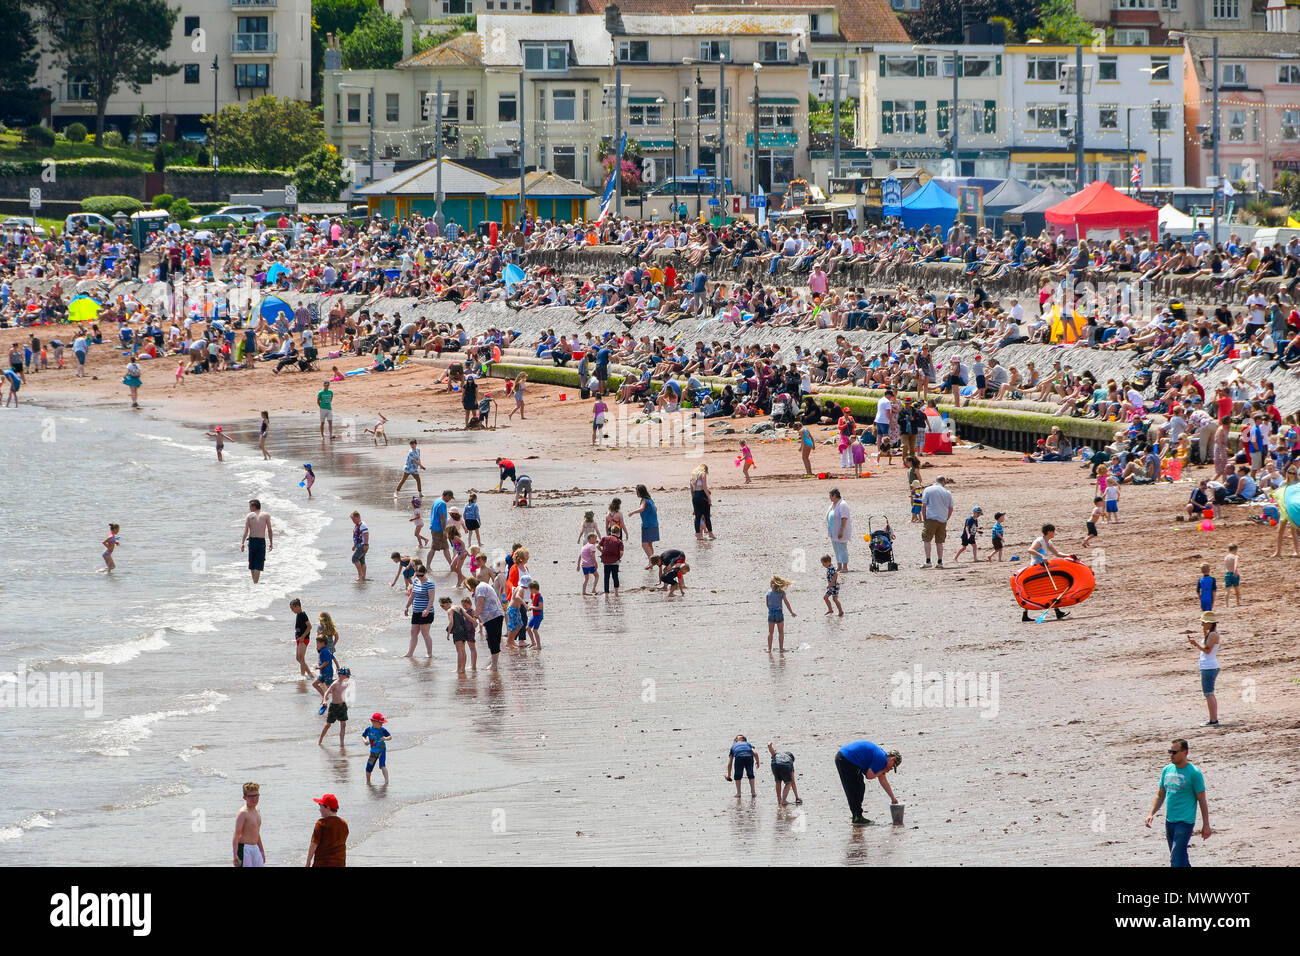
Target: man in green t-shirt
1183, 786
325, 400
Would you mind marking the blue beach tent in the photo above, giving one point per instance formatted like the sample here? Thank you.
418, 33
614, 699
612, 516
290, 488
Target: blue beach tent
930, 205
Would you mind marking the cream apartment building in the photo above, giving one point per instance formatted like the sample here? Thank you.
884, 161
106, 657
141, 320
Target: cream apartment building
259, 46
677, 73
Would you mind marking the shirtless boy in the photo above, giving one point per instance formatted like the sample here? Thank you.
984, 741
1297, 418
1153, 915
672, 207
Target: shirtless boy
257, 537
247, 841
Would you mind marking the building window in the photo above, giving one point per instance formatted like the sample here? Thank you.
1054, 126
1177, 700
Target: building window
79, 88
1162, 171
815, 23
1225, 10
586, 104
1132, 4
1160, 118
1288, 73
776, 117
191, 72
1047, 116
541, 105
773, 51
564, 107
391, 107
1236, 126
451, 104
890, 65
1107, 69
1108, 117
1043, 68
976, 66
1291, 125
423, 98
1130, 37
354, 107
1044, 172
469, 106
634, 51
645, 114
507, 108
457, 7
715, 50
902, 116
191, 24
1232, 74
546, 57
984, 116
252, 75
1160, 69
564, 161
586, 163
707, 104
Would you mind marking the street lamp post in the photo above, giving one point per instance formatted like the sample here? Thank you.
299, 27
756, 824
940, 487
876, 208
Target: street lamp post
698, 167
677, 184
216, 86
370, 103
1159, 130
437, 215
753, 159
1214, 140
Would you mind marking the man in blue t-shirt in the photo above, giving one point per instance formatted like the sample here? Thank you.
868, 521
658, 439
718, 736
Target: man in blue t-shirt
1184, 788
861, 760
438, 528
744, 758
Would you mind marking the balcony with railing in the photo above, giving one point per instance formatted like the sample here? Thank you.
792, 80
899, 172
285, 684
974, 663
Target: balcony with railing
252, 43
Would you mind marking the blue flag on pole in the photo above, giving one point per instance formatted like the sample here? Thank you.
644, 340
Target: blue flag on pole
608, 199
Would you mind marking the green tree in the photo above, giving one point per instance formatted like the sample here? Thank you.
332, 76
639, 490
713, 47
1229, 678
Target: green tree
18, 50
937, 22
267, 132
376, 43
111, 43
338, 17
319, 177
1059, 22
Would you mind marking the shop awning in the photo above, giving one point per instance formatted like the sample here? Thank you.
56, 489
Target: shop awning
773, 140
778, 100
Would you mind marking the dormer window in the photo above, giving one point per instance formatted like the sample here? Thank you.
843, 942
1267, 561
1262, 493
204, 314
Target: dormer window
549, 57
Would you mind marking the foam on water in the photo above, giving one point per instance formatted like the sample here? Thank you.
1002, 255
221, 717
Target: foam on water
118, 738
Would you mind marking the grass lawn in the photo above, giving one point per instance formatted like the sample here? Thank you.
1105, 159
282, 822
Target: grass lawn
12, 147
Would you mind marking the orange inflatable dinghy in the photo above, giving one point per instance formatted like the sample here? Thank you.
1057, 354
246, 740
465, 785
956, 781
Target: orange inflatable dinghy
1035, 589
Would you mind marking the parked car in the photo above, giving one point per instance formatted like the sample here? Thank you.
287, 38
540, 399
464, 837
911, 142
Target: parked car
359, 212
244, 213
17, 222
273, 217
214, 221
89, 221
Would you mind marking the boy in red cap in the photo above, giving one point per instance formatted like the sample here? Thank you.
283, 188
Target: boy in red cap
377, 737
329, 838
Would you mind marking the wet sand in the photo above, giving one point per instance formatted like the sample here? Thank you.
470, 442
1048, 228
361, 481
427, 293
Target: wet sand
609, 746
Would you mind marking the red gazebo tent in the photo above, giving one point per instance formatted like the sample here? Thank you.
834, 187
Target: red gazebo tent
1100, 211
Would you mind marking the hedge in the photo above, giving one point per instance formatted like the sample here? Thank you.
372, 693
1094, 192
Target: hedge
207, 171
865, 408
40, 135
107, 206
91, 167
205, 208
163, 201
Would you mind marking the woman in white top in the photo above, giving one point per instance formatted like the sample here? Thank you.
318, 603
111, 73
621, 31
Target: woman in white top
1208, 662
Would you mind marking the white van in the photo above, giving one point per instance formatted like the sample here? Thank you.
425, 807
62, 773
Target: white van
1267, 237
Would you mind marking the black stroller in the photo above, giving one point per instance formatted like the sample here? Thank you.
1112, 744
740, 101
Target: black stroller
882, 547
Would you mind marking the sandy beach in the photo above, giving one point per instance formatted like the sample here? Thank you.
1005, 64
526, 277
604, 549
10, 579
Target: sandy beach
609, 745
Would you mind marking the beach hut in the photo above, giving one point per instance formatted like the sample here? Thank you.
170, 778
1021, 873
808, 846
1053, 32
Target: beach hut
547, 195
415, 190
1027, 219
1102, 212
931, 205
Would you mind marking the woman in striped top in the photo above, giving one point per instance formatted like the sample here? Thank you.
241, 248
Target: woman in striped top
420, 604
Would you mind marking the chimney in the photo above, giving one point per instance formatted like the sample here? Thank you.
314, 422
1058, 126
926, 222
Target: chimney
333, 55
613, 20
408, 32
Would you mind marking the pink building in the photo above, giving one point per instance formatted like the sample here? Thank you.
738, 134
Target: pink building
1259, 106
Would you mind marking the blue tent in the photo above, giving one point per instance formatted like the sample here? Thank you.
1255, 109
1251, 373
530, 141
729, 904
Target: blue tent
270, 308
930, 205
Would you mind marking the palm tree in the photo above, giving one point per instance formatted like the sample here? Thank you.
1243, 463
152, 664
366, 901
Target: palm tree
140, 124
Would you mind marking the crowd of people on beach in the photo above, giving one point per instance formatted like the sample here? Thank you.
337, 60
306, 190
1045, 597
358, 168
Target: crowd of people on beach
775, 277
